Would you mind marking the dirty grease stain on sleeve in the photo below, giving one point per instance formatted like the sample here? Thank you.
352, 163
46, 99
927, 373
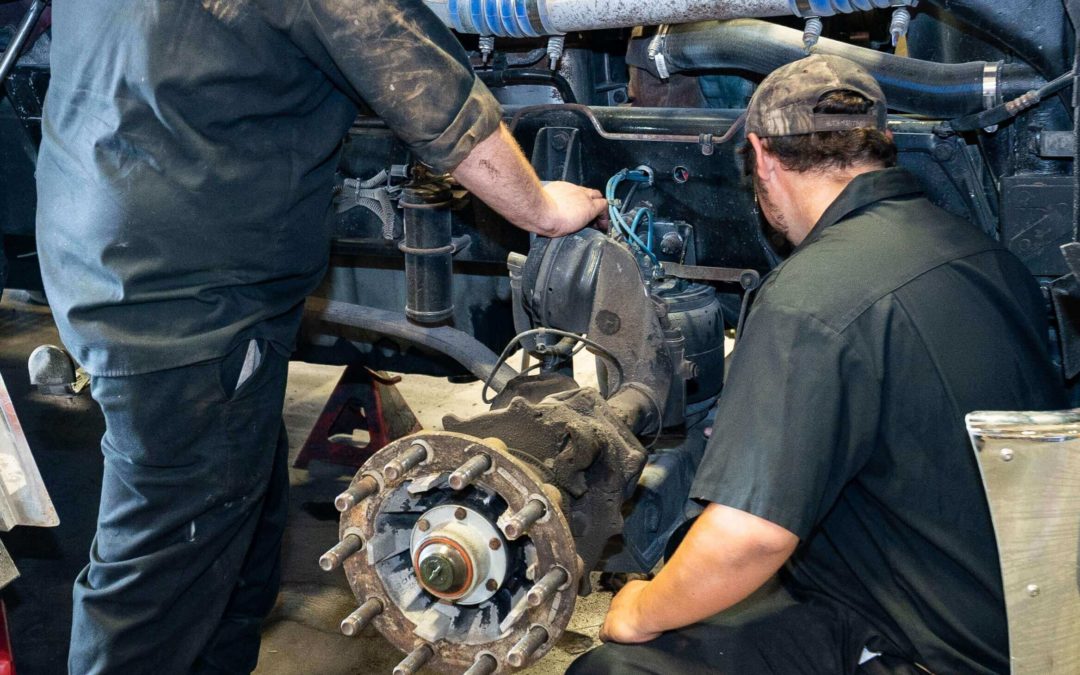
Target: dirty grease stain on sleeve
225, 11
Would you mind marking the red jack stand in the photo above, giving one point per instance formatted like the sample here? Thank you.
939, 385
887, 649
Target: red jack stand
7, 662
364, 413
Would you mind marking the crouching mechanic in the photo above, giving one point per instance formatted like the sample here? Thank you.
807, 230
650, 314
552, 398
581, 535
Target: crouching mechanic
839, 456
185, 180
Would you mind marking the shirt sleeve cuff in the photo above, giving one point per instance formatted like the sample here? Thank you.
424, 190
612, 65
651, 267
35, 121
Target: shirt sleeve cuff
478, 118
777, 515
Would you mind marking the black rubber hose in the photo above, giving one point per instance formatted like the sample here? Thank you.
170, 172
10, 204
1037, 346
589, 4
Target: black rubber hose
910, 85
511, 76
1005, 111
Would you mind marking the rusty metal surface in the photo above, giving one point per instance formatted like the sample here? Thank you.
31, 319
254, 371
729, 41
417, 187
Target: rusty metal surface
8, 571
516, 483
577, 443
23, 498
1030, 463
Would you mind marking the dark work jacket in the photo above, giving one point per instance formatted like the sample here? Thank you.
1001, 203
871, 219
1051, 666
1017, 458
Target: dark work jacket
186, 171
842, 418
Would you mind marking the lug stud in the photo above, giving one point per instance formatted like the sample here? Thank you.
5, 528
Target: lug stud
485, 664
520, 653
412, 663
366, 487
547, 586
333, 558
355, 622
398, 467
469, 471
520, 522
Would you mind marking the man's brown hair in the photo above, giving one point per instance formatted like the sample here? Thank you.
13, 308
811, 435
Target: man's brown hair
831, 150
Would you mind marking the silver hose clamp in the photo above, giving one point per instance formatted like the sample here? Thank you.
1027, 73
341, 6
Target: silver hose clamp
656, 51
991, 82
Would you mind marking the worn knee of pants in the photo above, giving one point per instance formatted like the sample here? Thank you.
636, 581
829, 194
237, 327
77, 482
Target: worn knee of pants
186, 560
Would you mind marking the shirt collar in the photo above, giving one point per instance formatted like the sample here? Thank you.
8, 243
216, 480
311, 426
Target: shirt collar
862, 191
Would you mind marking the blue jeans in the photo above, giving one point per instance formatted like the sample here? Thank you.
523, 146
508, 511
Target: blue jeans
185, 564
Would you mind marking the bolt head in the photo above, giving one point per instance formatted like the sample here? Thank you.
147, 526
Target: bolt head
492, 585
423, 525
438, 573
1006, 454
1033, 590
494, 544
460, 513
671, 243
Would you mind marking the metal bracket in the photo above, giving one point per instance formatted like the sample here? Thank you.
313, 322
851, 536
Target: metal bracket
748, 279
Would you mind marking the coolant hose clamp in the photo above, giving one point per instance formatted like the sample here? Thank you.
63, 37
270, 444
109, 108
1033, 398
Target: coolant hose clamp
990, 81
657, 48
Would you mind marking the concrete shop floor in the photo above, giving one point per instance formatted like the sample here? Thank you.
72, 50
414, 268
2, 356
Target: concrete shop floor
301, 636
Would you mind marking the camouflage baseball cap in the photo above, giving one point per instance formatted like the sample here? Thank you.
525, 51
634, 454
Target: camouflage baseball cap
784, 103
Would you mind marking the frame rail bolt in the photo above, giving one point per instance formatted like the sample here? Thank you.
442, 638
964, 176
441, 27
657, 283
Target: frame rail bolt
485, 664
355, 622
366, 487
412, 663
469, 471
551, 582
332, 559
520, 522
396, 468
520, 653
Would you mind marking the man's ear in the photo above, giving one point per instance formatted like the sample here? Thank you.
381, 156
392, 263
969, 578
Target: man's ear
765, 163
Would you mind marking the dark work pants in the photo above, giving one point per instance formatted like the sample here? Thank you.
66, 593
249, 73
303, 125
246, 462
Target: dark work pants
186, 561
770, 634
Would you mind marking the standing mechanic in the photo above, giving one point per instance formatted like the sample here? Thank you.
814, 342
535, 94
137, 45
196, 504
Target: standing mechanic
184, 180
840, 457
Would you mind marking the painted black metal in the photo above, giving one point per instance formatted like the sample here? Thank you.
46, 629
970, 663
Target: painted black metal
446, 341
1035, 30
22, 35
1036, 220
514, 76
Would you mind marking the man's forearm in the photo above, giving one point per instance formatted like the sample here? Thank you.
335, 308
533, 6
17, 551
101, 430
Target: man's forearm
726, 556
498, 173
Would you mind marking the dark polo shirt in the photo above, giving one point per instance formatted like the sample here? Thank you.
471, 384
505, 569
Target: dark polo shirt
186, 170
842, 418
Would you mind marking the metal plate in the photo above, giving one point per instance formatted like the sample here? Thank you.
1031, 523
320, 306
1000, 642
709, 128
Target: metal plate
1030, 464
23, 498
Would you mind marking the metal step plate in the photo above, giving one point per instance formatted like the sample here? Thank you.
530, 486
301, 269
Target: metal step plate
23, 498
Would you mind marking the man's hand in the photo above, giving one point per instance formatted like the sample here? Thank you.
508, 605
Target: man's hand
497, 172
623, 621
569, 208
727, 555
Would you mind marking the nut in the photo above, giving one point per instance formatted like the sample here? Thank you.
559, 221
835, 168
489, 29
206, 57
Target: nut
494, 544
423, 525
460, 513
